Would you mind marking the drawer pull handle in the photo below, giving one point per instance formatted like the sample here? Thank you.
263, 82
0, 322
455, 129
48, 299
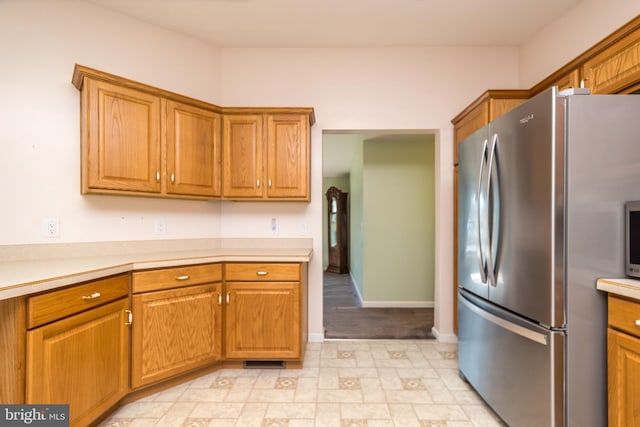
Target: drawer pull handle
219, 299
637, 322
262, 273
92, 296
185, 277
129, 317
227, 297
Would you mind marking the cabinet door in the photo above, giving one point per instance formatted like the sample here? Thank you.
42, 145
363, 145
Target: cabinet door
569, 80
121, 148
624, 379
288, 157
175, 331
193, 150
242, 156
263, 320
616, 68
82, 361
474, 120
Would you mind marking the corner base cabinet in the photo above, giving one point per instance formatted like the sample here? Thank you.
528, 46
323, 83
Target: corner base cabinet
266, 316
177, 321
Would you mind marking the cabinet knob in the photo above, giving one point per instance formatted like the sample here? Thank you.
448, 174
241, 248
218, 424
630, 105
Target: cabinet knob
92, 296
185, 277
637, 322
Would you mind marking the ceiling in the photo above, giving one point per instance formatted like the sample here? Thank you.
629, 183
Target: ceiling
348, 23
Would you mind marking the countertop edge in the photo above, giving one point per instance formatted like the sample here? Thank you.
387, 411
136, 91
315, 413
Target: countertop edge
98, 269
629, 288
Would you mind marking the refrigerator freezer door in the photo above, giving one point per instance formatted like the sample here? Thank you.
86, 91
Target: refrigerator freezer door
516, 366
522, 252
472, 216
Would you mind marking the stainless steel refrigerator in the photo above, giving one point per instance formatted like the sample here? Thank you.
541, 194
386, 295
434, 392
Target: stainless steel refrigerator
541, 217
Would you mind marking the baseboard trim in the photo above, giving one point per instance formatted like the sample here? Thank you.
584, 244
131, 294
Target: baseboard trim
444, 338
316, 337
398, 304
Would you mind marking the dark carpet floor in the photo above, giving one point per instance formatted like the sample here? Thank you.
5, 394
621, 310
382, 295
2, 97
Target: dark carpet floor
344, 318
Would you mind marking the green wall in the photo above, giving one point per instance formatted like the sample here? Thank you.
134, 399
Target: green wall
399, 226
356, 237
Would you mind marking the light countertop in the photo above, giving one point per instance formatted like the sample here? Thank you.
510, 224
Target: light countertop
629, 288
27, 269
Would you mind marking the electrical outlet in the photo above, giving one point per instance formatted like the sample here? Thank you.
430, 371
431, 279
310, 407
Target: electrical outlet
51, 227
159, 227
302, 229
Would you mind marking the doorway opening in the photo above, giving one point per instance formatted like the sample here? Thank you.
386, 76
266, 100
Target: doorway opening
388, 290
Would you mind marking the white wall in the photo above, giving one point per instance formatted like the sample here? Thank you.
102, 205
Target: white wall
40, 110
570, 35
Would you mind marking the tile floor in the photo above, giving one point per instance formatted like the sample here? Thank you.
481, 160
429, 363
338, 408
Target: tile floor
343, 384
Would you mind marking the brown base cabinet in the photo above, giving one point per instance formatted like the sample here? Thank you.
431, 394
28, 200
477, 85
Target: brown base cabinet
264, 315
83, 359
178, 329
623, 362
175, 331
263, 322
84, 346
624, 379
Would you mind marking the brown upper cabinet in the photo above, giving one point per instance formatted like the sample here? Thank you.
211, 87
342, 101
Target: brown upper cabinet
242, 154
139, 140
568, 80
144, 141
616, 69
489, 106
266, 156
193, 150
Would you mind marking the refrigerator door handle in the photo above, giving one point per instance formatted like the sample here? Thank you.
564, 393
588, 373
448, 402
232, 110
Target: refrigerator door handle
480, 253
494, 190
505, 324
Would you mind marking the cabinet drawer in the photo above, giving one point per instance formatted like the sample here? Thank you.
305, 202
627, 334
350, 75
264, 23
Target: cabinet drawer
262, 271
623, 315
55, 305
167, 278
